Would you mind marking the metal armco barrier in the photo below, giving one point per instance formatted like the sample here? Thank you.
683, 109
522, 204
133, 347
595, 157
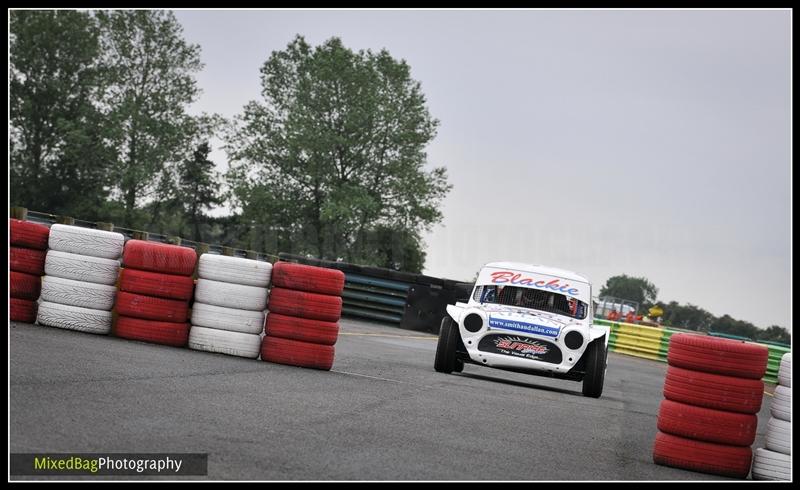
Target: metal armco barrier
373, 298
653, 343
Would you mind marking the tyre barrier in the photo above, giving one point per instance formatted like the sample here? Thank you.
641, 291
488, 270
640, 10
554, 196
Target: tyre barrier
713, 391
86, 241
155, 287
230, 303
156, 332
771, 465
224, 342
779, 436
296, 353
785, 370
367, 292
302, 329
88, 320
22, 310
159, 257
304, 307
701, 456
80, 269
24, 286
167, 286
150, 302
27, 260
308, 278
716, 355
28, 245
28, 235
707, 424
653, 343
775, 461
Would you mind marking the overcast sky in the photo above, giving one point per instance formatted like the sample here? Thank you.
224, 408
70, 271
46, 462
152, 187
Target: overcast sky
650, 143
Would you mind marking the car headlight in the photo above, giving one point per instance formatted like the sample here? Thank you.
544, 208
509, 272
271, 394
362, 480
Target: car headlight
573, 340
473, 322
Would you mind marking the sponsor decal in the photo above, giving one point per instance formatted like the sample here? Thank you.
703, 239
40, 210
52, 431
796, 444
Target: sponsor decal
516, 279
522, 347
519, 326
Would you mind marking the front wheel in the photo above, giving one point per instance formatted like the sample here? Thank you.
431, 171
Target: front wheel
595, 369
446, 348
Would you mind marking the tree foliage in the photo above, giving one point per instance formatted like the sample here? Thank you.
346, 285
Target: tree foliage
199, 186
687, 316
57, 151
190, 186
774, 333
637, 289
334, 155
151, 82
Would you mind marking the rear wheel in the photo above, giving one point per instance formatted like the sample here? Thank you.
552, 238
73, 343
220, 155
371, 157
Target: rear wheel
595, 369
446, 348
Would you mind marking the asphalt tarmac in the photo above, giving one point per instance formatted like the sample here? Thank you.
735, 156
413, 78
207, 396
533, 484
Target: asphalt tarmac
382, 413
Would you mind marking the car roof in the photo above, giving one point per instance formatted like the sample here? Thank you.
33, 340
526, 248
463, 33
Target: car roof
539, 269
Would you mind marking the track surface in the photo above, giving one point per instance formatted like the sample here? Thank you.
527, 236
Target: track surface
381, 414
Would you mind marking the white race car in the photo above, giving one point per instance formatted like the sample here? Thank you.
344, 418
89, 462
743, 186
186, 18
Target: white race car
529, 319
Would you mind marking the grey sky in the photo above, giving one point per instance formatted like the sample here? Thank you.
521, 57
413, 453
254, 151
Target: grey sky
651, 143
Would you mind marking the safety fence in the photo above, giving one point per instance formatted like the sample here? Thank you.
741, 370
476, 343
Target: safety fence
653, 343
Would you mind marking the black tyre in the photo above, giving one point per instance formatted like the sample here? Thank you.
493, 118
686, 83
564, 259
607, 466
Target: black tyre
446, 348
595, 368
459, 366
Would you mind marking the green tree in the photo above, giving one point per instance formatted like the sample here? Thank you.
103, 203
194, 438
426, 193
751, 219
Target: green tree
637, 289
336, 152
729, 325
774, 333
394, 249
57, 152
199, 186
151, 69
188, 186
687, 316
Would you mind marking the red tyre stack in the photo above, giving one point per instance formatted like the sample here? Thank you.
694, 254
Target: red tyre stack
304, 307
26, 262
713, 392
155, 287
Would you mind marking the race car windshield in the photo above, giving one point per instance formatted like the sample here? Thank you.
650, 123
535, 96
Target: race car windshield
531, 298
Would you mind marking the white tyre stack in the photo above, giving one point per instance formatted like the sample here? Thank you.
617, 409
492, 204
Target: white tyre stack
230, 304
78, 288
775, 461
